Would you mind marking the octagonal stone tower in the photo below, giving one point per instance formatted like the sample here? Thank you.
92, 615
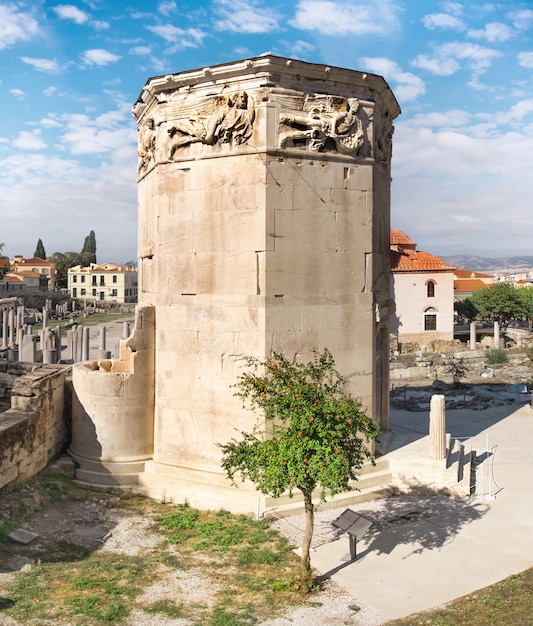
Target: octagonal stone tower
264, 201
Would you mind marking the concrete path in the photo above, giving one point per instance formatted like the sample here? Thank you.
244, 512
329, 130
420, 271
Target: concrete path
429, 562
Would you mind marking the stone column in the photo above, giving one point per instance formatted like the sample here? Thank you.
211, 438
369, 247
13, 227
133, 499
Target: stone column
102, 352
496, 334
5, 328
11, 327
473, 335
85, 343
437, 427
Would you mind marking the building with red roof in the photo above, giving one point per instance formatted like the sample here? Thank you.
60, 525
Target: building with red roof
422, 286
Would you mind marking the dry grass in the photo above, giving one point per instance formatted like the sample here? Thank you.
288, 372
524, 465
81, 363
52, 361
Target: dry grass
508, 603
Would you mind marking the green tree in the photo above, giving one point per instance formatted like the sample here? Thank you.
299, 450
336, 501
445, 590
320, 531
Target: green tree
65, 260
313, 435
526, 295
89, 246
500, 301
466, 308
40, 252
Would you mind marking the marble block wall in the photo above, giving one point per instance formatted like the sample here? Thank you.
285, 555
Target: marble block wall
264, 220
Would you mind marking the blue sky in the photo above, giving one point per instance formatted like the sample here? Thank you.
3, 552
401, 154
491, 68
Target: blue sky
461, 71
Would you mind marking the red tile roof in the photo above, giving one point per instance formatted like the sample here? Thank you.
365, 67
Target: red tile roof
462, 273
399, 238
469, 285
417, 261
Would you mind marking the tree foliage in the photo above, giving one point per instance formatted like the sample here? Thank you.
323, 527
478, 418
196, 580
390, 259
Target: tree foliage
467, 309
500, 301
313, 436
65, 260
40, 252
89, 246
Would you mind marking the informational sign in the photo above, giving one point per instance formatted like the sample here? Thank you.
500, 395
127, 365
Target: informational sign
355, 525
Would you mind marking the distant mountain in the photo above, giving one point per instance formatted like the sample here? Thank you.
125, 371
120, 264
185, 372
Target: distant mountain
507, 264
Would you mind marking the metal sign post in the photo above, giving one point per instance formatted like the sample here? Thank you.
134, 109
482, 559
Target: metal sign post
355, 525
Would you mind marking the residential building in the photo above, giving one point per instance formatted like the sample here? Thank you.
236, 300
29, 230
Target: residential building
422, 289
108, 282
468, 281
25, 281
45, 269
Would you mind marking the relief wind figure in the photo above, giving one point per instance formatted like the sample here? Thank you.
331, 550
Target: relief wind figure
324, 122
232, 121
146, 146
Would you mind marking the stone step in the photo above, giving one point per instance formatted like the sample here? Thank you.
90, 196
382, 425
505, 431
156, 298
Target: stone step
178, 486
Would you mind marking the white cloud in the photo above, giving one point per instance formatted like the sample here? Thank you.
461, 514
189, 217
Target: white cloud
190, 38
98, 56
435, 65
344, 17
407, 86
49, 66
525, 59
166, 8
63, 200
445, 60
100, 135
463, 176
16, 25
18, 93
453, 7
492, 32
71, 12
520, 110
443, 21
29, 141
300, 48
245, 16
100, 25
140, 50
522, 19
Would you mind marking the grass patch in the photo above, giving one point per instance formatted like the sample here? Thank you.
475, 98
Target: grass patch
248, 570
507, 602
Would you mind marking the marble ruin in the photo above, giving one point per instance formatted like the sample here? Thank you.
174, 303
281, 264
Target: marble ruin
264, 201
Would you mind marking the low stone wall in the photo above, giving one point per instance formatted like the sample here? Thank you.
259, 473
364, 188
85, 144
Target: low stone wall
431, 366
37, 425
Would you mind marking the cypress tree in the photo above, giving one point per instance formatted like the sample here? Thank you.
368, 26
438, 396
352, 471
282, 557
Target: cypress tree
89, 247
40, 252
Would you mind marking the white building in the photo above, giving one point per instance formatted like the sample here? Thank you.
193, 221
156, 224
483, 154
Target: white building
422, 287
105, 283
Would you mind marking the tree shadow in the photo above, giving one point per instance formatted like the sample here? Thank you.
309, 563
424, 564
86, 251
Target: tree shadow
423, 519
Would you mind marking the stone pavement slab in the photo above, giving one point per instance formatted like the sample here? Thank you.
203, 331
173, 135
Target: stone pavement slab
430, 562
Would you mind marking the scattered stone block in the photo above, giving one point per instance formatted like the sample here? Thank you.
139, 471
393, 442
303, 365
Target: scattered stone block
22, 536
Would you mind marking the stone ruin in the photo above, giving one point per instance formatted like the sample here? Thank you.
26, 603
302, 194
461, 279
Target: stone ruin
264, 221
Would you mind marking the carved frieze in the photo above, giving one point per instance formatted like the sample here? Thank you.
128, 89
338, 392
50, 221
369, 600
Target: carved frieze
326, 123
216, 119
219, 119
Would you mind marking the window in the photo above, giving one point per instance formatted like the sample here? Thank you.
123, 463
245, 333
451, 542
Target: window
82, 279
94, 292
430, 289
102, 280
94, 281
82, 291
115, 278
114, 292
44, 271
430, 319
74, 278
102, 295
74, 292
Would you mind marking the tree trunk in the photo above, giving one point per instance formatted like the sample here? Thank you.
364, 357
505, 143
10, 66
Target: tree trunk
309, 527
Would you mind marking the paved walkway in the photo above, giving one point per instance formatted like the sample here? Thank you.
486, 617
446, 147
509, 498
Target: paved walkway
429, 562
